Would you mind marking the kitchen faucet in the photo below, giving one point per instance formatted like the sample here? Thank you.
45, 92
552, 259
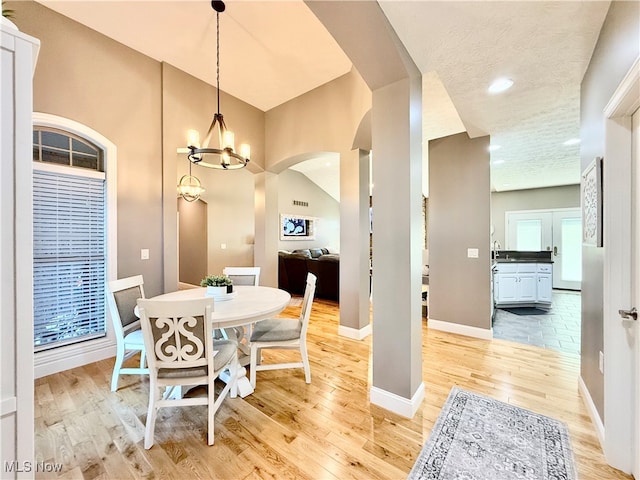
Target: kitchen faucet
496, 249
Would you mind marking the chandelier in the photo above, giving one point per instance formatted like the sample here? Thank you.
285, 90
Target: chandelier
224, 157
189, 187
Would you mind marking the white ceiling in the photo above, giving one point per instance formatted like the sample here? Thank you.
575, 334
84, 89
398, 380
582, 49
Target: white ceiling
273, 51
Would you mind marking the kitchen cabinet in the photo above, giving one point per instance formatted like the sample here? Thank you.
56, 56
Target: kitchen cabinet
521, 284
545, 283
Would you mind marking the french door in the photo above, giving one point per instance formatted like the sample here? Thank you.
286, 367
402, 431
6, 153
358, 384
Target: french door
558, 231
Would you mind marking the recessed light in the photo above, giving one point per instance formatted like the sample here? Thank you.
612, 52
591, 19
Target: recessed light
493, 148
497, 162
500, 85
572, 141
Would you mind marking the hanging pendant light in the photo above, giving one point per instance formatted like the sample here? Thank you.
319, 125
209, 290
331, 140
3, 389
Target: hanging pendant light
224, 157
189, 187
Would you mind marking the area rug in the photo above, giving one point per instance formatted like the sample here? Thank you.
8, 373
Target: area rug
526, 311
478, 438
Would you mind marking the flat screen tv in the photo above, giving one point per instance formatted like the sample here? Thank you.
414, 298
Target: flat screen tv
295, 227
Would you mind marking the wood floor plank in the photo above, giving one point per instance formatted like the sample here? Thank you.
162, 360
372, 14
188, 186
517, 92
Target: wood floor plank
288, 429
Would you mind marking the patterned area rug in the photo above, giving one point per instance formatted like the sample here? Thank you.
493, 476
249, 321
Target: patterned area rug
478, 438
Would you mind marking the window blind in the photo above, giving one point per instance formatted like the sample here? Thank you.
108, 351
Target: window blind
69, 249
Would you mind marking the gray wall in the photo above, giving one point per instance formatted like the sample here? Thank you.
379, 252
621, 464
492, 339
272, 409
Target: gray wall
145, 108
617, 48
294, 185
77, 76
459, 218
566, 196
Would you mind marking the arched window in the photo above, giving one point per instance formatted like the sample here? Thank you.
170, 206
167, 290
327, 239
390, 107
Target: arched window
69, 239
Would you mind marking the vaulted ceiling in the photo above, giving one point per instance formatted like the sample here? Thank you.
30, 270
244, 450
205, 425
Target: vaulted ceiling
273, 51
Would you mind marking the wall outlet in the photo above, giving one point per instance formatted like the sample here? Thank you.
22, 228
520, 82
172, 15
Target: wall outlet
144, 254
472, 252
601, 362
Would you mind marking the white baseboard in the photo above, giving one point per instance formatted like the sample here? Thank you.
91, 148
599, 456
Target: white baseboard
354, 333
485, 334
593, 411
60, 359
395, 403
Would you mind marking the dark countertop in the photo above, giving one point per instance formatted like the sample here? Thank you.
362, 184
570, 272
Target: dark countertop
516, 256
522, 260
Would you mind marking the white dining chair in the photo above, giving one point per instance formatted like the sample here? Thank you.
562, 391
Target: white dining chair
283, 333
122, 295
178, 335
242, 276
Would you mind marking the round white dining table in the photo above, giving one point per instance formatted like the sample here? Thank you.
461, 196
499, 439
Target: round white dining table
245, 306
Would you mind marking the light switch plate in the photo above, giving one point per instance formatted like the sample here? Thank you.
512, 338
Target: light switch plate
472, 252
144, 254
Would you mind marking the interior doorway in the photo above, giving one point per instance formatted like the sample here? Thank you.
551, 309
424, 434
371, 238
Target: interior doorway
555, 230
192, 241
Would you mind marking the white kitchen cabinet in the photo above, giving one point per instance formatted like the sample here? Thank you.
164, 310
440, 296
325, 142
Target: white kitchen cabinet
545, 283
522, 283
505, 287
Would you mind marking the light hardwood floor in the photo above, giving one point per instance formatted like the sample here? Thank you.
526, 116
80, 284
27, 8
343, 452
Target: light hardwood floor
290, 430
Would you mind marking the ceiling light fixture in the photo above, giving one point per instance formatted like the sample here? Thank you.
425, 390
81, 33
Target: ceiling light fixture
500, 85
189, 187
572, 141
225, 157
493, 148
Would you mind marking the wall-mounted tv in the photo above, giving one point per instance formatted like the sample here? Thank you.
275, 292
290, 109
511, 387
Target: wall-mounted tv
296, 227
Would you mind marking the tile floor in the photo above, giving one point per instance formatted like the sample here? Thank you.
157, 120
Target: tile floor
559, 329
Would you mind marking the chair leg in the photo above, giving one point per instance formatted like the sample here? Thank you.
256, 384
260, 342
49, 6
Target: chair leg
211, 414
117, 366
252, 365
151, 417
305, 362
143, 358
233, 373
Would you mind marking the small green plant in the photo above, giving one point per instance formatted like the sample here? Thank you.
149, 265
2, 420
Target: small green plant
216, 281
7, 12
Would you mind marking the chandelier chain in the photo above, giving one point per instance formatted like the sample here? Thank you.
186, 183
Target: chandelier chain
218, 58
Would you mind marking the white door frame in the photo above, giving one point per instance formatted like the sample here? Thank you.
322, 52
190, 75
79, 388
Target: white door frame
620, 383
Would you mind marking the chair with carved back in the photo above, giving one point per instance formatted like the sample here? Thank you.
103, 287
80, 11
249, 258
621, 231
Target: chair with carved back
181, 350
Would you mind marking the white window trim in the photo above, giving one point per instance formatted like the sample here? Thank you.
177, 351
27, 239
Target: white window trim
71, 356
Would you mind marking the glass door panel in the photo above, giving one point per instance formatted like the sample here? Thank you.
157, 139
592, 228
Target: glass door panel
571, 248
529, 235
529, 231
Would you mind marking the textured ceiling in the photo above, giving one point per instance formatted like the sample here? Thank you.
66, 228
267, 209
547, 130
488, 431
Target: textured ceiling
273, 51
544, 47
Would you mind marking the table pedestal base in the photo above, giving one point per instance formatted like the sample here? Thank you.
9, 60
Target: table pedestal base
244, 386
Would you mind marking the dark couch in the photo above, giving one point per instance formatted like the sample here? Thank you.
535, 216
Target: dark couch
294, 266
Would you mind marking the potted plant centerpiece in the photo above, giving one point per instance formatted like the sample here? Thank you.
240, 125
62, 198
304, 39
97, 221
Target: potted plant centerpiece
217, 285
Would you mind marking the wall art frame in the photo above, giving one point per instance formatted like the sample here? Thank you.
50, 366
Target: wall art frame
591, 200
